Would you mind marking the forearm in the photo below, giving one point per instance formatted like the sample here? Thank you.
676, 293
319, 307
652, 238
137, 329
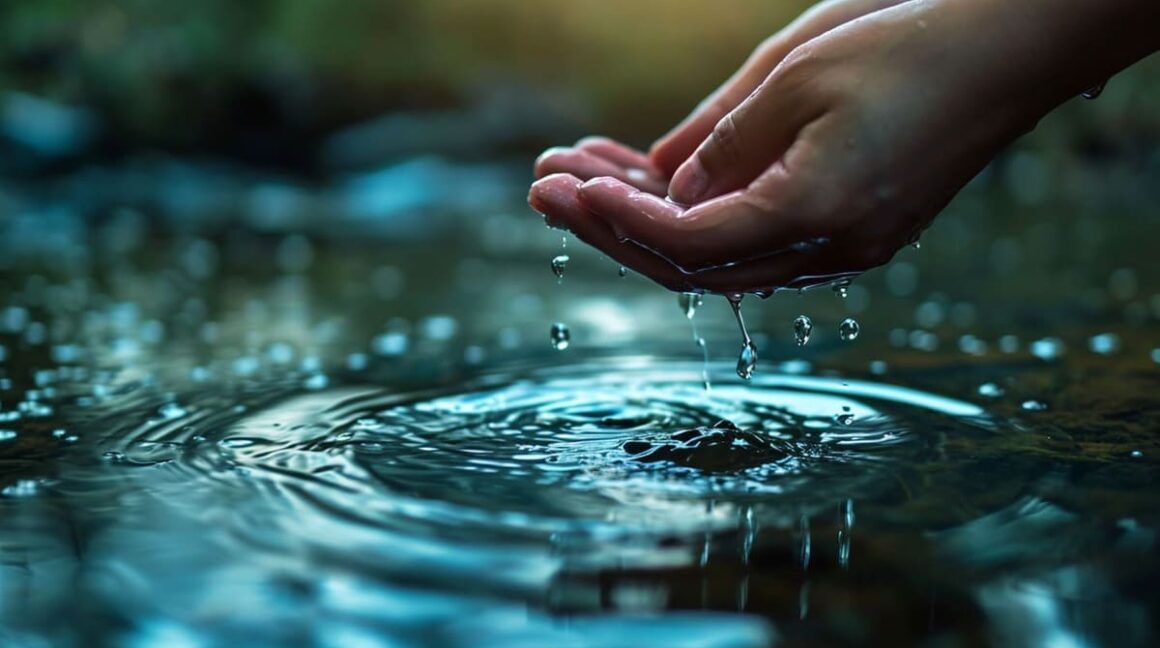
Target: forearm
1045, 52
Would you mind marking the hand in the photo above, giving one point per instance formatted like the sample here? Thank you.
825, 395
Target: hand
848, 148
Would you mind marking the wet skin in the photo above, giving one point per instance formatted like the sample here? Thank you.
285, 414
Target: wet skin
839, 140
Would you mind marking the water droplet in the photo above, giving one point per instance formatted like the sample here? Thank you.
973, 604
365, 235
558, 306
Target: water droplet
560, 335
559, 263
842, 288
1156, 355
917, 244
689, 303
1136, 454
878, 367
623, 271
1034, 406
747, 360
849, 329
802, 327
1095, 91
846, 417
7, 435
990, 390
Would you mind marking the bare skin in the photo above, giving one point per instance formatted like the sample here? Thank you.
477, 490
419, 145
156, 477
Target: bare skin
839, 140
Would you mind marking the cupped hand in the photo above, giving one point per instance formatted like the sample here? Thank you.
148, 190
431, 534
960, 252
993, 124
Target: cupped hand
841, 155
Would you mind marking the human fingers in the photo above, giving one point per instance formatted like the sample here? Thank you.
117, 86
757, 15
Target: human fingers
749, 139
557, 198
594, 160
737, 227
672, 149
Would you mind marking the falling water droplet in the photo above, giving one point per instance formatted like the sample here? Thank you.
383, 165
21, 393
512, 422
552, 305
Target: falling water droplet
623, 271
705, 359
747, 360
802, 327
842, 288
849, 329
845, 531
1034, 406
689, 303
559, 262
560, 335
846, 417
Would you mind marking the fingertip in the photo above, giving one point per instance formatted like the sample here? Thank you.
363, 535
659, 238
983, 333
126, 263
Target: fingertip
690, 182
554, 194
595, 140
544, 165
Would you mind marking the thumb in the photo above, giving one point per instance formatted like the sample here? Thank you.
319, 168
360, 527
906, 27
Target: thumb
751, 137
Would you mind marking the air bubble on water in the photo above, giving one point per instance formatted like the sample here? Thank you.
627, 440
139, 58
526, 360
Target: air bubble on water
747, 360
1034, 406
848, 330
689, 303
802, 327
560, 336
1104, 343
841, 288
990, 390
559, 263
1049, 348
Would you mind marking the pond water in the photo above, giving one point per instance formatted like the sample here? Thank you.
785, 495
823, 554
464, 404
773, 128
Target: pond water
245, 428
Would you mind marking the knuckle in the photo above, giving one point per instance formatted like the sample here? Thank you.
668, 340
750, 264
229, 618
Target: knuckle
725, 140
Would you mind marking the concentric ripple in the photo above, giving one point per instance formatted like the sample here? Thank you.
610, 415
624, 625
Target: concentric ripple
625, 447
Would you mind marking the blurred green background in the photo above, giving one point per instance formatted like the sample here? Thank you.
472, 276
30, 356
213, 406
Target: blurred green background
268, 82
